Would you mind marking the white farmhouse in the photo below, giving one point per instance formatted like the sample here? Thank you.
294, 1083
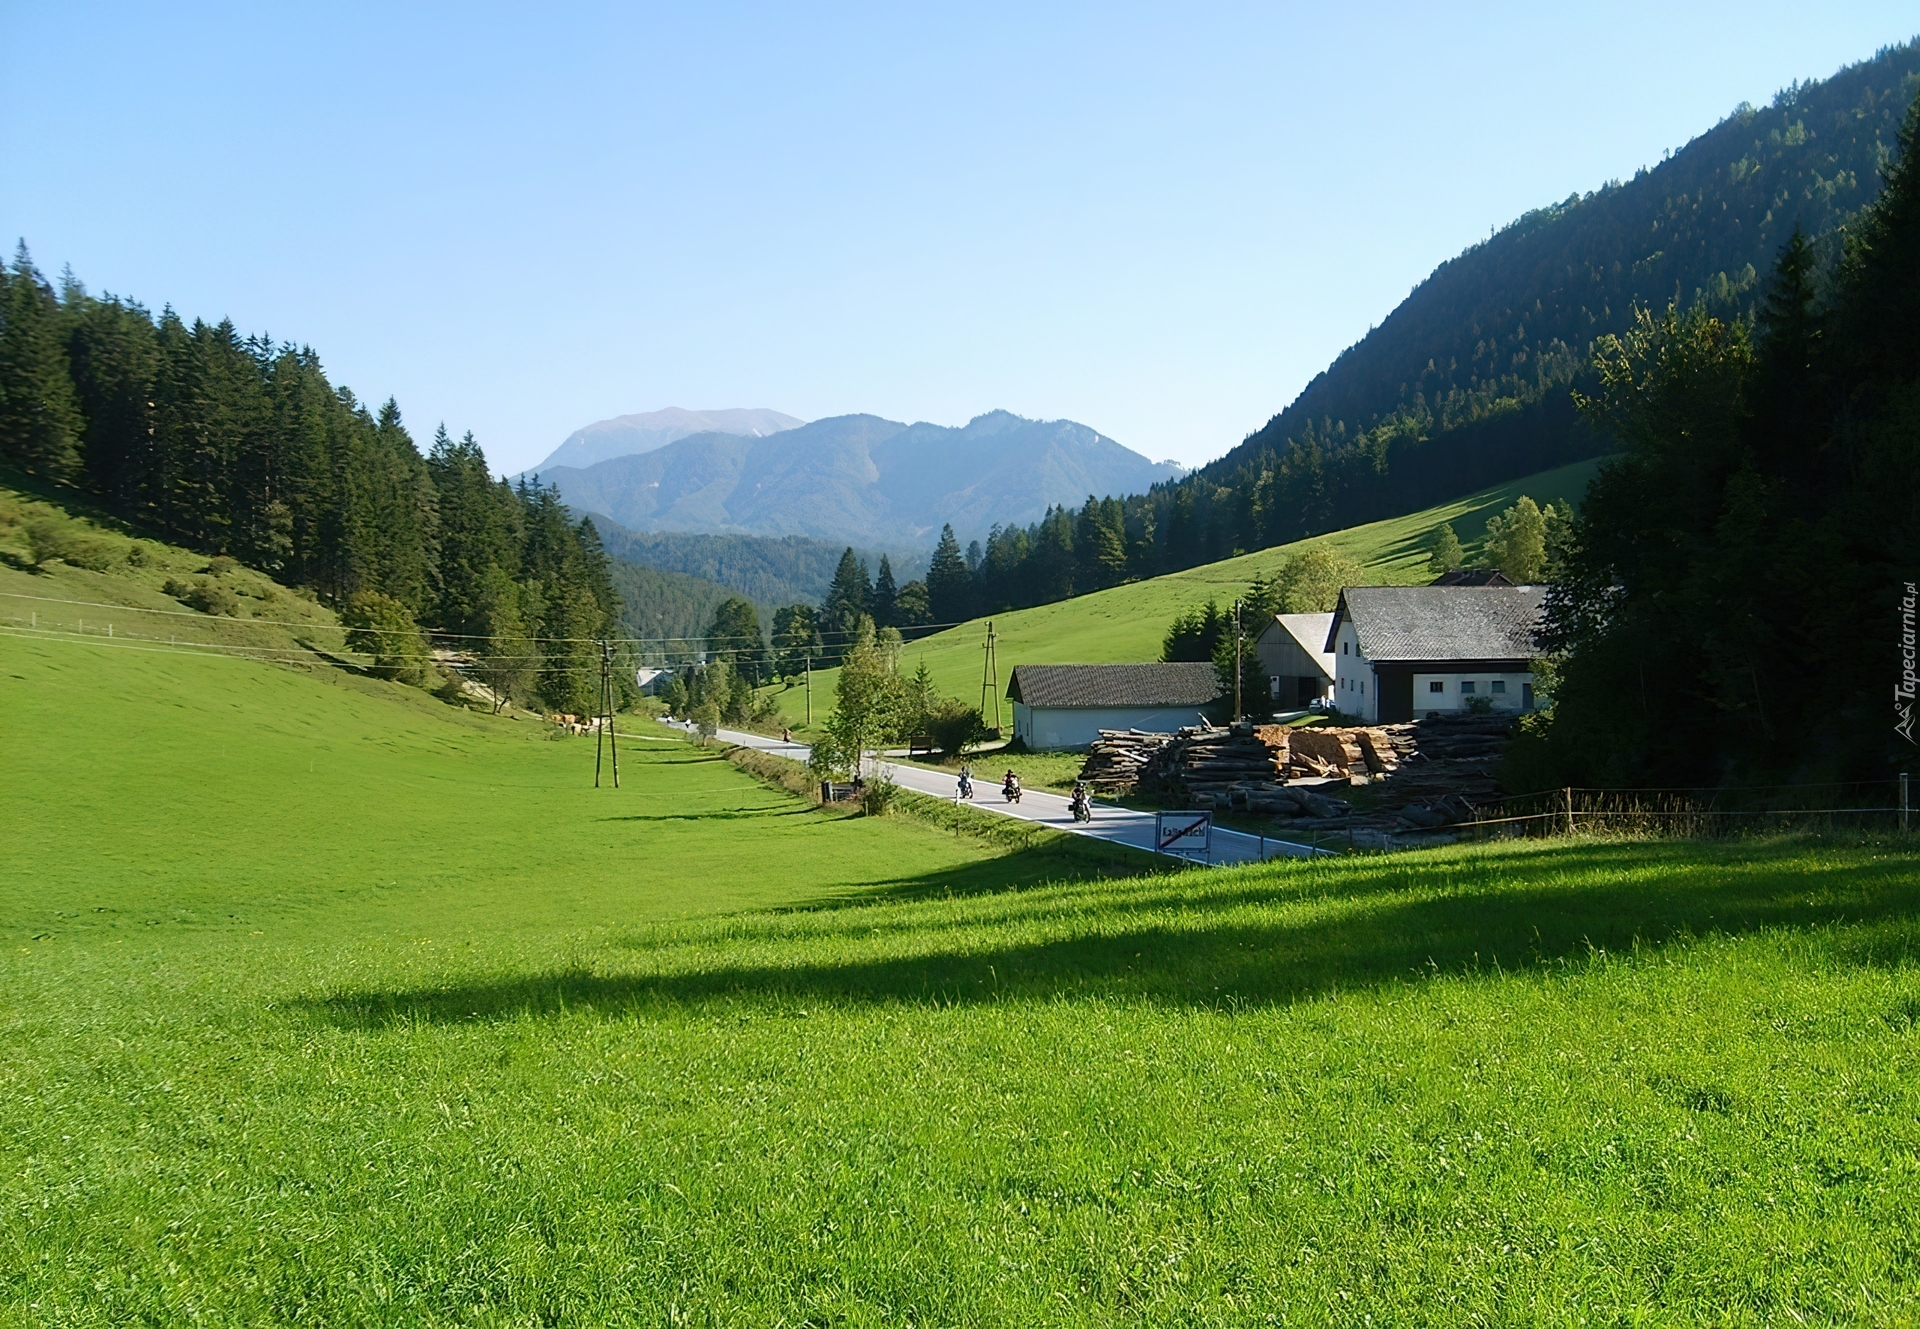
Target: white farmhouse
1406, 652
1066, 706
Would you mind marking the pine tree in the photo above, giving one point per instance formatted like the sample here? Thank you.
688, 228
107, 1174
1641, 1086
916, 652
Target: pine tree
40, 422
847, 601
949, 584
884, 595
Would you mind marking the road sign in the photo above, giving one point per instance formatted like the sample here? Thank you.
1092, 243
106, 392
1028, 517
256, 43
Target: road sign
1183, 832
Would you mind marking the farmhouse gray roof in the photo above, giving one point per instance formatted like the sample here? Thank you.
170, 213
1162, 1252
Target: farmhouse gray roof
1184, 684
1441, 622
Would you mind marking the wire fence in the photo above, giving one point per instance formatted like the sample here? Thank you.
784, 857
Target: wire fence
1700, 813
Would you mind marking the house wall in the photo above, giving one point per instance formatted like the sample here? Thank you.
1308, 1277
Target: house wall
1059, 728
1452, 698
1355, 689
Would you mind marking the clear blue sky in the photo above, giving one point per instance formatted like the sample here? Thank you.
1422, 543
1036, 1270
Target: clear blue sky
1161, 221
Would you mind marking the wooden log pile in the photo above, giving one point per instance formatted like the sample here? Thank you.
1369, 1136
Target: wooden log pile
1121, 757
1420, 777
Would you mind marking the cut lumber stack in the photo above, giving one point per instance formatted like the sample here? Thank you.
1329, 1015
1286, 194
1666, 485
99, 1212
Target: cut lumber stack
1120, 757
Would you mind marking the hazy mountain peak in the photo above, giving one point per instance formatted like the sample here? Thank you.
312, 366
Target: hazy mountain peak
630, 435
861, 479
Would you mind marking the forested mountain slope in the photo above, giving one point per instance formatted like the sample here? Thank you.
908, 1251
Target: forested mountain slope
768, 570
240, 447
1467, 382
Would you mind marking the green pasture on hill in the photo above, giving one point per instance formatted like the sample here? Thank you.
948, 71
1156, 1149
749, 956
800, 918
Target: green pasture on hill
334, 1004
1127, 623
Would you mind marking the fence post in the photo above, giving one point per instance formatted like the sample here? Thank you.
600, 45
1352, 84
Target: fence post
1904, 805
1568, 792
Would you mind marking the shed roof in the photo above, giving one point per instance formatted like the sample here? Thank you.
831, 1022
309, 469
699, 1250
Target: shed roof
1442, 622
1182, 684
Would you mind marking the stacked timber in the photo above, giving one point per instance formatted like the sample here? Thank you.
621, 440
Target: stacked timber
1120, 758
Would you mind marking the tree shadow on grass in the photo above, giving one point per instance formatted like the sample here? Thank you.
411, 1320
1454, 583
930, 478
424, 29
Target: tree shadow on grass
713, 814
1236, 947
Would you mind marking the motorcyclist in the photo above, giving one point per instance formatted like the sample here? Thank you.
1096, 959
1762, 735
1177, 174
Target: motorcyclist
966, 782
1081, 803
1011, 787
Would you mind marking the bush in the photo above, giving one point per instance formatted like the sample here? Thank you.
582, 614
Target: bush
877, 794
137, 555
955, 727
380, 626
206, 597
50, 540
220, 565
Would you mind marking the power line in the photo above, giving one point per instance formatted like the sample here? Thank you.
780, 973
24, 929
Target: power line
742, 638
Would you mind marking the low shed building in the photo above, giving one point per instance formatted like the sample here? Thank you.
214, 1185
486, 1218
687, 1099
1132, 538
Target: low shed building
1404, 652
1066, 706
1293, 651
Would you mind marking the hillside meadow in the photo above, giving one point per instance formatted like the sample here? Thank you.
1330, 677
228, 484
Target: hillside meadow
332, 1003
1127, 623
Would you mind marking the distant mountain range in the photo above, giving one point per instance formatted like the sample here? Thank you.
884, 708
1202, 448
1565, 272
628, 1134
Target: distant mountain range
859, 479
627, 435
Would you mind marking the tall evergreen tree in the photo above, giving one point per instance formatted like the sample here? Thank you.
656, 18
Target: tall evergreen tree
847, 602
40, 422
949, 584
884, 594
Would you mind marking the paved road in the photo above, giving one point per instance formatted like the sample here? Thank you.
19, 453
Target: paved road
1118, 825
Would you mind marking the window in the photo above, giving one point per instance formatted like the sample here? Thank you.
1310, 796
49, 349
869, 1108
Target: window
1466, 685
1343, 648
1499, 685
1436, 686
1363, 687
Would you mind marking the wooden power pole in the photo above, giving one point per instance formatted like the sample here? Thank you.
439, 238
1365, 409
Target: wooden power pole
990, 680
606, 737
1239, 646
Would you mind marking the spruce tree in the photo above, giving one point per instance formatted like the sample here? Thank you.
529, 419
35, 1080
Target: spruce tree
846, 603
885, 592
40, 424
949, 584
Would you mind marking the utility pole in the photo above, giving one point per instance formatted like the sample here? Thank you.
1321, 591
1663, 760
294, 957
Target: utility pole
809, 687
606, 737
990, 680
1238, 647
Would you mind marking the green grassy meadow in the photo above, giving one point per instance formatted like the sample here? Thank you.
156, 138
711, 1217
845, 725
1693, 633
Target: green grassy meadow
1127, 623
336, 1004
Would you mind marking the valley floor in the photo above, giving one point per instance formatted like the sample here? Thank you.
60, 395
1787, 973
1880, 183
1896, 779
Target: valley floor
334, 1004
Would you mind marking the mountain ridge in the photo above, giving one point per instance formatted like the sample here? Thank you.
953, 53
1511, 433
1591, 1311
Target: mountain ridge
629, 435
861, 479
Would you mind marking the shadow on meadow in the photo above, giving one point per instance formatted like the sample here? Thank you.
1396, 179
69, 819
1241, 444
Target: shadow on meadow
1252, 938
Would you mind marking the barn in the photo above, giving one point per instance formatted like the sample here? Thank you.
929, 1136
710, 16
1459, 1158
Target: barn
1066, 706
1293, 651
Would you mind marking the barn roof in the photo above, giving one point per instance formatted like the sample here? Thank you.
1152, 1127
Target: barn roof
1310, 633
1442, 622
1183, 684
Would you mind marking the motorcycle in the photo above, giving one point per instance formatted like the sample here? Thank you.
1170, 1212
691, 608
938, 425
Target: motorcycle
1011, 791
1081, 807
966, 787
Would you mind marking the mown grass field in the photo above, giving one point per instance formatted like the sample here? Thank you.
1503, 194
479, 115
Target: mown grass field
1127, 623
335, 1004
